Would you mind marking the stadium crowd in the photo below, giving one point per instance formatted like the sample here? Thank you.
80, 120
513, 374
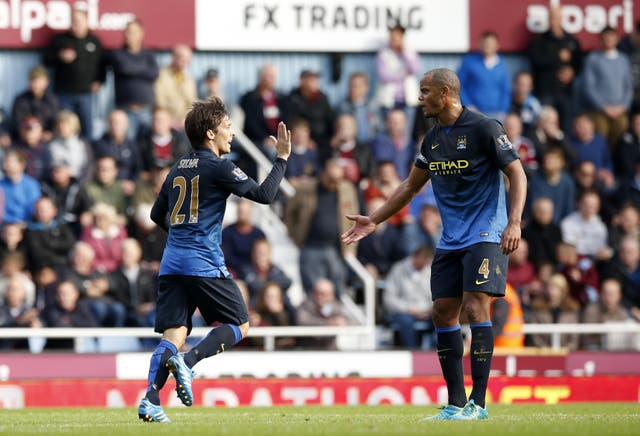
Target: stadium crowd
77, 246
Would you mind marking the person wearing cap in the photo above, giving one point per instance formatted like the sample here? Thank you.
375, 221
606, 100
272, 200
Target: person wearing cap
135, 70
308, 102
77, 59
211, 84
36, 101
175, 88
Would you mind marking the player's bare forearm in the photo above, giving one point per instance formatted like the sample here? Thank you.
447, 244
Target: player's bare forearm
364, 225
517, 196
401, 196
517, 190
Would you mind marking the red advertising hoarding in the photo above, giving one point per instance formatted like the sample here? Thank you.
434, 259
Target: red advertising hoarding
515, 21
349, 391
30, 23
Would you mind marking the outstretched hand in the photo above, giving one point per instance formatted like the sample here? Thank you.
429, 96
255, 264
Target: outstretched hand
283, 142
362, 227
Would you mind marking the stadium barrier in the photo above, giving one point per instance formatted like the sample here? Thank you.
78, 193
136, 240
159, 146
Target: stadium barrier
364, 335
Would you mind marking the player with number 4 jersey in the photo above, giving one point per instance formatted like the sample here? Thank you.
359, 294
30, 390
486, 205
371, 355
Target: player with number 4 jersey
465, 155
191, 207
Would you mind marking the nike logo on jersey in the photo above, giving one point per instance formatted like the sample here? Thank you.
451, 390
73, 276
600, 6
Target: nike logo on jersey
481, 282
434, 146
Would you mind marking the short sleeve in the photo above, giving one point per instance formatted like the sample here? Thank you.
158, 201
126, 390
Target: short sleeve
422, 158
233, 179
500, 148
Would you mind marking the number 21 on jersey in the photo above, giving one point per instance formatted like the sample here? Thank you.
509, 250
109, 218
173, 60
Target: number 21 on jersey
181, 183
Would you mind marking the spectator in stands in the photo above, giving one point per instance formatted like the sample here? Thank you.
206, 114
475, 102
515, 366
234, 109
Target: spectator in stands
125, 151
212, 84
135, 70
360, 106
134, 286
521, 272
556, 58
33, 147
406, 298
427, 230
264, 107
69, 311
68, 146
584, 228
36, 101
383, 247
607, 87
555, 307
77, 60
152, 237
591, 146
15, 312
13, 266
608, 309
105, 236
394, 144
586, 176
397, 67
304, 160
175, 88
322, 308
627, 151
541, 233
553, 182
307, 101
71, 201
547, 134
507, 320
163, 145
630, 46
523, 145
238, 238
625, 223
94, 286
12, 240
269, 310
46, 279
355, 156
580, 273
384, 182
523, 102
48, 239
105, 188
20, 190
261, 270
625, 267
315, 219
485, 83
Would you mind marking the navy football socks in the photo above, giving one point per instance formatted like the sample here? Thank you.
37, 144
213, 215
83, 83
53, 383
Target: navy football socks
219, 339
481, 354
450, 350
158, 372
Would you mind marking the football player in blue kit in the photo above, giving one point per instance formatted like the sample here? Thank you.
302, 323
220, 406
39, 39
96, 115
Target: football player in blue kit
465, 155
191, 206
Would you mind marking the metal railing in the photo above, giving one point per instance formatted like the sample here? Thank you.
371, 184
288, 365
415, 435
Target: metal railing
557, 330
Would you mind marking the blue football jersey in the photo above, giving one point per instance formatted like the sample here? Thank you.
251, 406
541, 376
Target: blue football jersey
194, 195
464, 162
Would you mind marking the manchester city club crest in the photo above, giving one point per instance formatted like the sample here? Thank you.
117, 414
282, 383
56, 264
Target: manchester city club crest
461, 142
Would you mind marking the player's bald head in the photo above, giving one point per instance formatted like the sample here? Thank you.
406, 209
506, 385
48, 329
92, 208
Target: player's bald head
441, 77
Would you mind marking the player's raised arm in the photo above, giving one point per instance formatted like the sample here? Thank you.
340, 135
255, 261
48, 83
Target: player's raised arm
517, 196
363, 225
266, 192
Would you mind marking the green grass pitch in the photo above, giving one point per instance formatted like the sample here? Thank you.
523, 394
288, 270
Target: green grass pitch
521, 420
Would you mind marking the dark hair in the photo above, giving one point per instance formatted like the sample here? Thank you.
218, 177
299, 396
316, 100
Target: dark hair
397, 26
489, 34
204, 116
